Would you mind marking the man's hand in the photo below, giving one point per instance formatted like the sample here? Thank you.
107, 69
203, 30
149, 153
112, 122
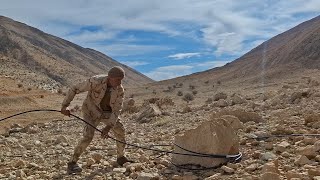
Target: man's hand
65, 111
105, 132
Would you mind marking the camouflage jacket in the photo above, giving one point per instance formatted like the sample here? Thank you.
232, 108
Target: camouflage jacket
96, 87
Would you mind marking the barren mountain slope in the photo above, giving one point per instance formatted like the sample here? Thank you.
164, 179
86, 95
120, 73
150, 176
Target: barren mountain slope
34, 57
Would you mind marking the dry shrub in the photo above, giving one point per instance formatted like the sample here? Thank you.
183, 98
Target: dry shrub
194, 92
160, 102
59, 91
188, 97
192, 86
209, 100
186, 109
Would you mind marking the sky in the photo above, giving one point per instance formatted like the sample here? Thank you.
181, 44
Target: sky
164, 39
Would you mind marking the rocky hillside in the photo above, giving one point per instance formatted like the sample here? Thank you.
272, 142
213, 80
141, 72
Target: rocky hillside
33, 57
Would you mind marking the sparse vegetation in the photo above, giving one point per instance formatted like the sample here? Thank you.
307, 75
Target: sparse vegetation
180, 93
209, 100
20, 85
59, 91
188, 97
194, 92
192, 87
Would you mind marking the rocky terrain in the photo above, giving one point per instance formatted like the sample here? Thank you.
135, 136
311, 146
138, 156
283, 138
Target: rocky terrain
40, 150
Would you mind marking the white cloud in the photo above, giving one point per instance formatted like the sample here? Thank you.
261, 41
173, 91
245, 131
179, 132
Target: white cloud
184, 55
88, 36
168, 72
134, 63
225, 25
125, 49
173, 71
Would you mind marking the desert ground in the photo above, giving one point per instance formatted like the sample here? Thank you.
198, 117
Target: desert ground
38, 145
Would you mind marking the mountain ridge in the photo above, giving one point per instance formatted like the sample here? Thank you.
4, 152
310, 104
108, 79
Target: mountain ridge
295, 50
37, 58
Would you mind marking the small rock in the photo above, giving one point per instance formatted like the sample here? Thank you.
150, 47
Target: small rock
302, 160
268, 156
176, 177
270, 176
119, 170
19, 163
227, 169
292, 174
90, 162
308, 151
148, 176
97, 157
252, 167
314, 172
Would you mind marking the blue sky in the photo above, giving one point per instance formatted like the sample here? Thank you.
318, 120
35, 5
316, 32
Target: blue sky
164, 38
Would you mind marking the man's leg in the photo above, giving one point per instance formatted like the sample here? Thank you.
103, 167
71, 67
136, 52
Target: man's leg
119, 133
88, 134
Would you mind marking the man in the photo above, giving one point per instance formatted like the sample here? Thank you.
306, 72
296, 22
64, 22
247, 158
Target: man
102, 104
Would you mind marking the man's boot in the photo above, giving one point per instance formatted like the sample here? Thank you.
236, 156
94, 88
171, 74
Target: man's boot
121, 160
73, 167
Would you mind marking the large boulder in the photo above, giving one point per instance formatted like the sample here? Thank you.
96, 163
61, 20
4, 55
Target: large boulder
237, 99
148, 111
220, 95
216, 136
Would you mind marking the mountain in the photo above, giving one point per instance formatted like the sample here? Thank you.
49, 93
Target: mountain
291, 53
33, 57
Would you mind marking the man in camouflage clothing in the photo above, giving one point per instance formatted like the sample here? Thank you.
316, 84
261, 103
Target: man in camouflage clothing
102, 104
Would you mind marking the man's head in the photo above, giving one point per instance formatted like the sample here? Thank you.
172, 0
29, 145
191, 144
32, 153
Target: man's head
115, 75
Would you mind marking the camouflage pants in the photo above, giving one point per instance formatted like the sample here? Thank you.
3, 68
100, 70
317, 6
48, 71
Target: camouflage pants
88, 133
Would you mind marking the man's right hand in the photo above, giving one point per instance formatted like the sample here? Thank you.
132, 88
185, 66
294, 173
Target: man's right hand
65, 111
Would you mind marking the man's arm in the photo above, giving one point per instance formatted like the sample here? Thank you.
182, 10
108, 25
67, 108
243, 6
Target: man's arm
76, 89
